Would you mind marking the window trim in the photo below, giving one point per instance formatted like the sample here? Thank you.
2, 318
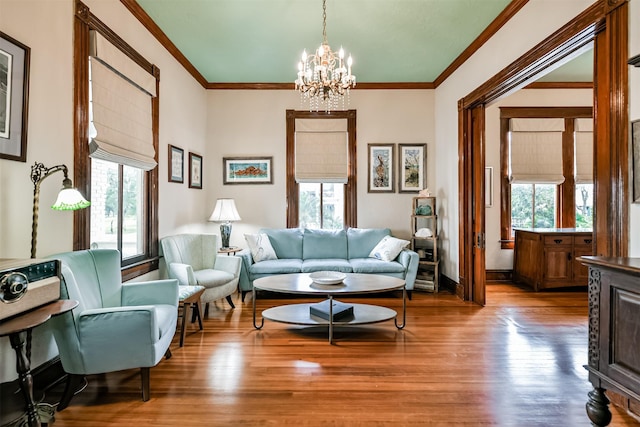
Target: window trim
83, 22
565, 212
350, 190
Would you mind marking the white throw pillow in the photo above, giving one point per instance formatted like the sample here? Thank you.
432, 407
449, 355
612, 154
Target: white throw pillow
388, 248
260, 247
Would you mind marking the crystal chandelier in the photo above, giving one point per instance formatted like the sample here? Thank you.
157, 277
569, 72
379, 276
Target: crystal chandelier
323, 79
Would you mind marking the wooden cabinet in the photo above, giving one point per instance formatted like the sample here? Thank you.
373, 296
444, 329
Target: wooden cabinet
614, 332
546, 258
424, 240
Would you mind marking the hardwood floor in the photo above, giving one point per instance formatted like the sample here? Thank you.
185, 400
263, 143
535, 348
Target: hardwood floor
516, 362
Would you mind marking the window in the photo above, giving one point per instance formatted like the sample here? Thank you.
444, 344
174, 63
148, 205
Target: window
321, 205
562, 142
317, 199
118, 219
123, 183
533, 206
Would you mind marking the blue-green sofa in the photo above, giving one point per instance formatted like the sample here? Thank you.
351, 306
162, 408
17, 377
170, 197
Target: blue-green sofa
305, 251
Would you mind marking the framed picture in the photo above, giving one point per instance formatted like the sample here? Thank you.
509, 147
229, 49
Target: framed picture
247, 170
176, 164
380, 172
635, 146
411, 167
488, 186
195, 171
14, 98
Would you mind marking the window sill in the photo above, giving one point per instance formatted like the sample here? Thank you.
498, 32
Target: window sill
138, 269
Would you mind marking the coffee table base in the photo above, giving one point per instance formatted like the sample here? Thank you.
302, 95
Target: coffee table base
298, 314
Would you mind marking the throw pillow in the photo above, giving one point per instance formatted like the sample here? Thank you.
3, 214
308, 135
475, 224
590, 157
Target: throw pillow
260, 247
388, 248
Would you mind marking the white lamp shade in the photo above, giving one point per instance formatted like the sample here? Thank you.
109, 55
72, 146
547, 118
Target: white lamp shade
224, 211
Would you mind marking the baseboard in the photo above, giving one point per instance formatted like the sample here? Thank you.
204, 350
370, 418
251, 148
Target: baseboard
448, 284
499, 275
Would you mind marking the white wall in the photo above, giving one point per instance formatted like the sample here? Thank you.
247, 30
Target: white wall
532, 24
253, 123
634, 114
496, 257
47, 28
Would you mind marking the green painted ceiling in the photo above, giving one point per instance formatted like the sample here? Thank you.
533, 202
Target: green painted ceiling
260, 41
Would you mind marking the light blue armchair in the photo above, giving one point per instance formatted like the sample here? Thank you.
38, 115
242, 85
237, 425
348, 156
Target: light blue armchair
116, 325
193, 260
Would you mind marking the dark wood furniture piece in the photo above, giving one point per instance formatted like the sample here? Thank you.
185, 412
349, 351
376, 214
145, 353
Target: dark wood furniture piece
19, 328
190, 299
614, 332
545, 258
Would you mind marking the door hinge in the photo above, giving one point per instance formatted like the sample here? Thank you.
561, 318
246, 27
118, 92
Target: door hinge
480, 241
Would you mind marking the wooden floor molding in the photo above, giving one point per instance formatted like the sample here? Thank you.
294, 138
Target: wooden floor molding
518, 361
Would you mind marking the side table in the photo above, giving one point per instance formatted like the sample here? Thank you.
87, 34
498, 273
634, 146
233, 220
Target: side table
190, 297
19, 330
230, 250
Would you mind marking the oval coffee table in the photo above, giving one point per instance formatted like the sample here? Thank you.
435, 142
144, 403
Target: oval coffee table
354, 283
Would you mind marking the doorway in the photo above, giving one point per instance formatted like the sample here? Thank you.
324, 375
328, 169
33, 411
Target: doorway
606, 27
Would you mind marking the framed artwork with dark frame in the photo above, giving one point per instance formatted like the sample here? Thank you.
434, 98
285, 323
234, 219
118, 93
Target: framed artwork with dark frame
380, 171
195, 171
14, 98
247, 170
411, 167
176, 164
635, 147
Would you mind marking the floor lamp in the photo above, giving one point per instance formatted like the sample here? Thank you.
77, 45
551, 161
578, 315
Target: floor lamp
225, 212
69, 199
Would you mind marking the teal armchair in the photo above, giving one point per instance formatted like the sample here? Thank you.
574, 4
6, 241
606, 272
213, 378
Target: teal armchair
193, 260
116, 325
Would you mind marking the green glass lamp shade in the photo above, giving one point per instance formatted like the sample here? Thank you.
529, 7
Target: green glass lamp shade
70, 199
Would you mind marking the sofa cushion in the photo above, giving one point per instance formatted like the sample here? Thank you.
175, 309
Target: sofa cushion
260, 247
361, 241
375, 266
326, 264
286, 242
277, 266
388, 248
323, 244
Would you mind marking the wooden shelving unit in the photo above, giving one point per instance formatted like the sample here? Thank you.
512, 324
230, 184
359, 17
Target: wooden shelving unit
424, 240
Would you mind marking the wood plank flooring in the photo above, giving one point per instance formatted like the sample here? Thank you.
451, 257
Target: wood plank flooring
516, 362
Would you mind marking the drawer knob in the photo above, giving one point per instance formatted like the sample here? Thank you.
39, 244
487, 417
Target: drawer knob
558, 241
587, 241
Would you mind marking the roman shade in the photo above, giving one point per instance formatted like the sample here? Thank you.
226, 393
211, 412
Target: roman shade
536, 151
584, 151
321, 150
120, 112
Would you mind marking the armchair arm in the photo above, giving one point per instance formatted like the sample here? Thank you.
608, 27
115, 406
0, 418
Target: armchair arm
106, 327
230, 264
182, 272
150, 293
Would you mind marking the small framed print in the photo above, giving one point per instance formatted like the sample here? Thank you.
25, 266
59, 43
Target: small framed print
14, 98
195, 171
176, 164
247, 170
411, 167
380, 172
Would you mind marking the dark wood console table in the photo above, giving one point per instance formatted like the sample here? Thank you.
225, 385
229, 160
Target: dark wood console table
545, 258
614, 332
19, 328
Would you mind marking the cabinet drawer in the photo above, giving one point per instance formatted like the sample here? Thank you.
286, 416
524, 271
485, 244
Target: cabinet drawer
583, 240
556, 240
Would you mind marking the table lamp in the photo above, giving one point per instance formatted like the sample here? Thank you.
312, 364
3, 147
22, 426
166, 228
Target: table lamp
225, 212
69, 199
